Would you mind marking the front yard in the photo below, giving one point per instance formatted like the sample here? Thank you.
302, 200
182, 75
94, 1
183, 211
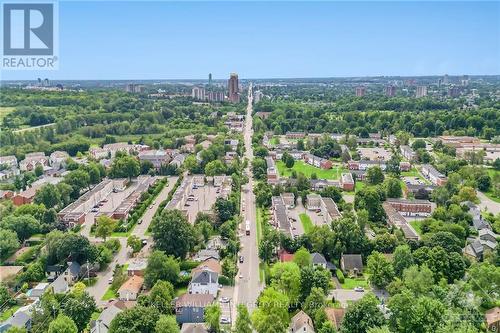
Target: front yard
351, 283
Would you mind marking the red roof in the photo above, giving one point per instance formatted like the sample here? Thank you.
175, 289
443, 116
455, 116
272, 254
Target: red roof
285, 256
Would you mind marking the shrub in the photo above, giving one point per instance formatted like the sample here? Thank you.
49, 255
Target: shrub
224, 280
340, 276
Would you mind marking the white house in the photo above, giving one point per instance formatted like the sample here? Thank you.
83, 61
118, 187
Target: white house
204, 282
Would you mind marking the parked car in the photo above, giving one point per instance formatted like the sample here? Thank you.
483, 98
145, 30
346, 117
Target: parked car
359, 289
242, 259
224, 320
224, 299
110, 280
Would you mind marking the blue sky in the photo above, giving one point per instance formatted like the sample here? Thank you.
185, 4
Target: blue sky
169, 40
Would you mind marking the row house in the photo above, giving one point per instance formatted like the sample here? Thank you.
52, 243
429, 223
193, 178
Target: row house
9, 173
313, 201
271, 172
365, 164
156, 157
436, 177
408, 153
329, 210
280, 216
295, 135
411, 207
318, 162
404, 166
9, 161
347, 182
394, 218
32, 160
458, 141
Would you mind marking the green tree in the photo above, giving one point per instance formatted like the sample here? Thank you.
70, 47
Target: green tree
161, 267
403, 259
62, 324
214, 168
272, 312
393, 188
302, 258
285, 277
161, 296
136, 319
381, 270
8, 242
79, 307
363, 315
243, 320
134, 243
418, 280
48, 195
173, 234
314, 303
105, 226
24, 225
125, 167
212, 317
167, 324
38, 170
374, 175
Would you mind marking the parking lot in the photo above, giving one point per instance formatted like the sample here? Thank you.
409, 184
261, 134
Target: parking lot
293, 215
201, 199
226, 303
374, 154
413, 180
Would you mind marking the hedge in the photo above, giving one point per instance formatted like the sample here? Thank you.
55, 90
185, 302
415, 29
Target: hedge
340, 276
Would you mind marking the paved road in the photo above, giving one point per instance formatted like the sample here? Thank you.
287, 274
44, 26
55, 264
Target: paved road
488, 204
248, 287
99, 289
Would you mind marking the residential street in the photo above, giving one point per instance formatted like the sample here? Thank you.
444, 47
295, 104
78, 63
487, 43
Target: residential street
248, 286
488, 204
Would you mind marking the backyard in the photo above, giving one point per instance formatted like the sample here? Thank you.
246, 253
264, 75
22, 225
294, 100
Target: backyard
494, 175
308, 170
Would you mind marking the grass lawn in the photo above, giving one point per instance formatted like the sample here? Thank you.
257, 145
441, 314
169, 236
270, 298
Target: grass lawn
359, 186
308, 170
494, 175
414, 173
181, 290
306, 222
350, 283
9, 312
417, 225
275, 141
110, 294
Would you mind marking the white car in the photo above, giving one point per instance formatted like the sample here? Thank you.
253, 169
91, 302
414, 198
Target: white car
224, 299
225, 320
110, 280
359, 289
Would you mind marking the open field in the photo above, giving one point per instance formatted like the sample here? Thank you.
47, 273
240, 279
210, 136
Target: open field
306, 222
308, 170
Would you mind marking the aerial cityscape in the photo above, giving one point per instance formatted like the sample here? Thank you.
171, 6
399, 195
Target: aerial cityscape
224, 200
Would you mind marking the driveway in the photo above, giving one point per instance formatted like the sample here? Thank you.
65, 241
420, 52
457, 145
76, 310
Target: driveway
488, 204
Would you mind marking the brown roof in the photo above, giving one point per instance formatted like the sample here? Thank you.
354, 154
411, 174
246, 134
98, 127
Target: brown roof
492, 316
123, 305
335, 316
133, 284
301, 319
194, 300
210, 264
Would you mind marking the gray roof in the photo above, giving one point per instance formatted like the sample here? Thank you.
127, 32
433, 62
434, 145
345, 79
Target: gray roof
74, 268
194, 328
205, 277
207, 254
318, 258
60, 285
352, 261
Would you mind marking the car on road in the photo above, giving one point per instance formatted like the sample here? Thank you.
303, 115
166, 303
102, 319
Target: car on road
225, 320
140, 222
151, 207
187, 205
144, 242
190, 199
241, 276
94, 210
224, 299
110, 280
242, 259
359, 289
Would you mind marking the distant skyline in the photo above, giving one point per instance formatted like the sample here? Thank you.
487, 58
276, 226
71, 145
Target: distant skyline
187, 40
